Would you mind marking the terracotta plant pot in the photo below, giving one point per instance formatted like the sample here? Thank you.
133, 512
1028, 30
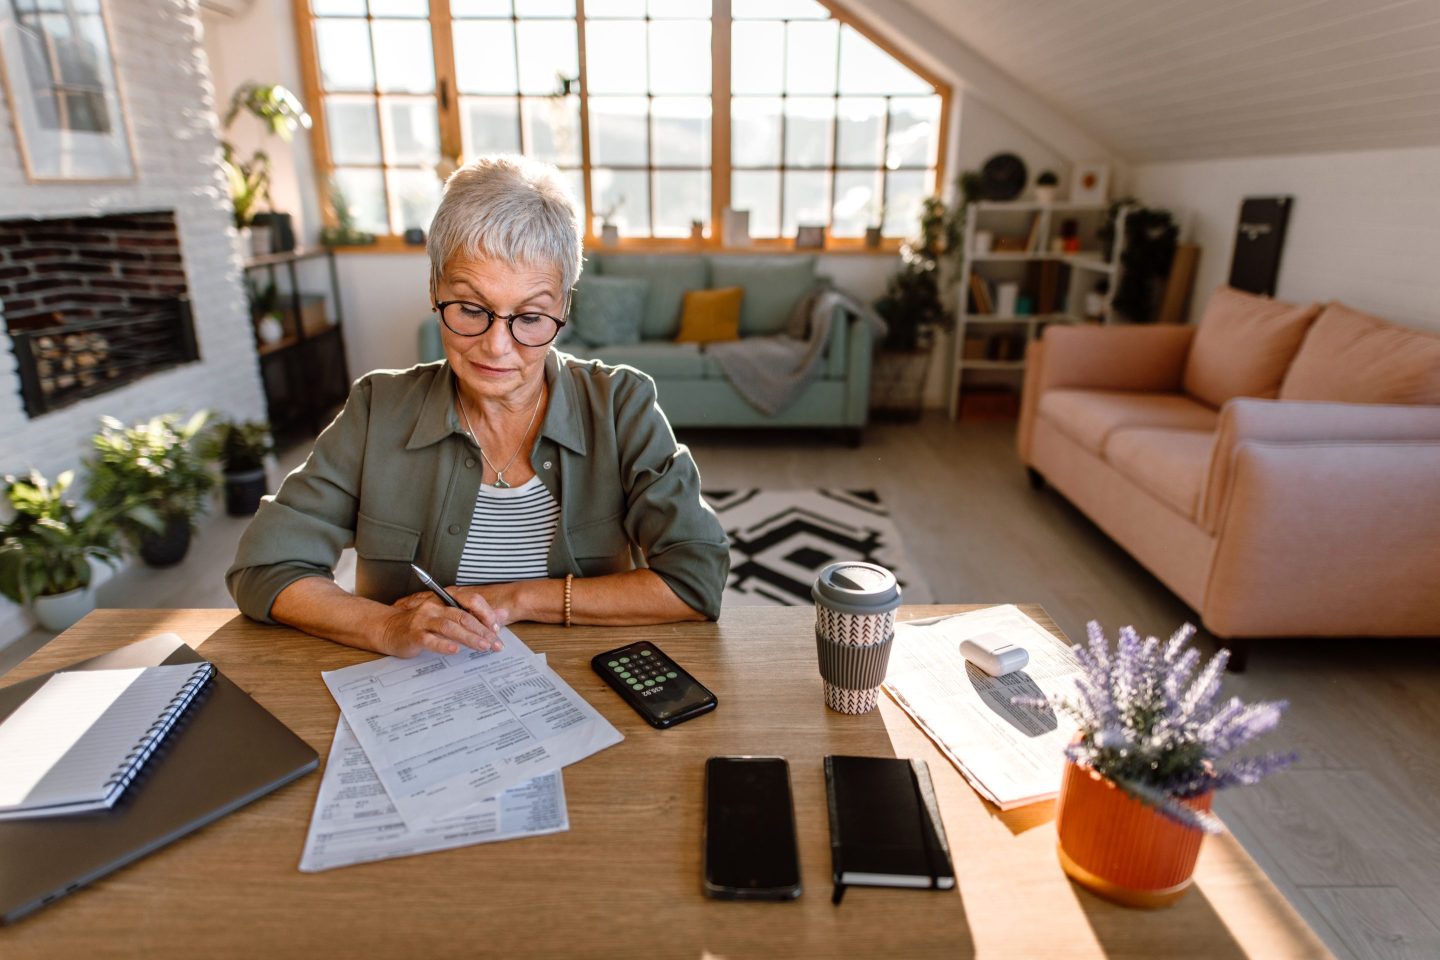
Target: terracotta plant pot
1119, 848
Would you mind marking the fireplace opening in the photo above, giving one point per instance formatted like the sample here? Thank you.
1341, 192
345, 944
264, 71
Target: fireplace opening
93, 303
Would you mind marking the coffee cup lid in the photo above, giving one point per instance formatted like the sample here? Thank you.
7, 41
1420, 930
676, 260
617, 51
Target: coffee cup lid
854, 586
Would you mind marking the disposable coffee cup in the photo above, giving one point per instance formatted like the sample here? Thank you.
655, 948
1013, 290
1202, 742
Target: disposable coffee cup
854, 627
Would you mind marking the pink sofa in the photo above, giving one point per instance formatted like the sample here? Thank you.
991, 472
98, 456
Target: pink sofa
1277, 466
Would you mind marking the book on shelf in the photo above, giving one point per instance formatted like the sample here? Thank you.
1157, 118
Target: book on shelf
1033, 238
980, 291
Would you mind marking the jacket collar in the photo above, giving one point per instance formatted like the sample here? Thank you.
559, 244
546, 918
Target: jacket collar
437, 419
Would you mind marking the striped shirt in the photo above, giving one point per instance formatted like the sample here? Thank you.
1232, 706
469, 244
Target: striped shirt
510, 533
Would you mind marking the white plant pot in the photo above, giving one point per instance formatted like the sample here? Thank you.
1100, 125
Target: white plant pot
59, 612
1045, 195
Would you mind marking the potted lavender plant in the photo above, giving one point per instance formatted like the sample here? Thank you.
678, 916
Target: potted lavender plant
1153, 746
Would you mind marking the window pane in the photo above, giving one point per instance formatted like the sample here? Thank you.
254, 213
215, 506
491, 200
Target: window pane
613, 59
613, 8
547, 54
757, 58
807, 199
778, 9
857, 203
485, 57
575, 182
680, 197
545, 8
810, 50
352, 129
404, 58
344, 47
480, 8
859, 127
365, 195
808, 123
617, 130
759, 192
621, 193
661, 9
400, 8
904, 192
411, 130
488, 125
755, 131
414, 195
914, 127
681, 132
338, 8
552, 129
865, 68
680, 57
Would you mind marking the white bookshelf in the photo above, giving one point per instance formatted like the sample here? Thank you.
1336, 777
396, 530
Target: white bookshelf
1017, 218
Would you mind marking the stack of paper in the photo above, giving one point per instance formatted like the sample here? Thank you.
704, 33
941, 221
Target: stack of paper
444, 751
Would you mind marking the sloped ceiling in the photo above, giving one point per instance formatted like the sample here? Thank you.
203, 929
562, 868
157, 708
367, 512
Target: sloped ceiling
1183, 79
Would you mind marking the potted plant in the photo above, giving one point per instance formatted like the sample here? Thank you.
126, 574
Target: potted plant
240, 447
1046, 187
609, 232
155, 464
249, 179
1151, 751
345, 232
46, 549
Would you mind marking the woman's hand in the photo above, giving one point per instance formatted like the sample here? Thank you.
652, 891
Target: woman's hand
421, 622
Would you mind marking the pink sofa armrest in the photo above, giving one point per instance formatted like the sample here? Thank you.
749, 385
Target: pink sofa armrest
1116, 358
1246, 420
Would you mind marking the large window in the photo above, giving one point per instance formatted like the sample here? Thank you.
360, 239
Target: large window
662, 113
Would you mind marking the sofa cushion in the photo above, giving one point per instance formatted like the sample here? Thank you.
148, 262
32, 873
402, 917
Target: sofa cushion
661, 359
773, 285
607, 310
710, 316
670, 276
1171, 464
1244, 345
1090, 417
1352, 357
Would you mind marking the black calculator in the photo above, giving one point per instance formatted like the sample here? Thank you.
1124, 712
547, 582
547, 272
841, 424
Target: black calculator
657, 687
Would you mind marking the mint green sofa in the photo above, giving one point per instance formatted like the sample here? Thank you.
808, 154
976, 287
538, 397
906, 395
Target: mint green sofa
692, 390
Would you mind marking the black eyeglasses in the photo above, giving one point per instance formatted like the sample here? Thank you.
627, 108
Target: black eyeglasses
466, 319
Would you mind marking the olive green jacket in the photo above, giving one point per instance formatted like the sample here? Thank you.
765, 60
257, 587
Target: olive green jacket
395, 477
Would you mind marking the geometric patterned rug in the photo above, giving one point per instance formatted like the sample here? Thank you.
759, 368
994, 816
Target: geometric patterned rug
780, 539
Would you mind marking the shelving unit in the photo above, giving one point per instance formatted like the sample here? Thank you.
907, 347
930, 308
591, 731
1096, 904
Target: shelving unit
1083, 267
305, 373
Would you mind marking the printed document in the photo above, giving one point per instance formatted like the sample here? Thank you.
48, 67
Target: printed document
447, 732
1012, 755
355, 822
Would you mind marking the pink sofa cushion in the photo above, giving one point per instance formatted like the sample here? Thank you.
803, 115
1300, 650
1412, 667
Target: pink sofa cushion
1089, 417
1171, 464
1352, 357
1244, 346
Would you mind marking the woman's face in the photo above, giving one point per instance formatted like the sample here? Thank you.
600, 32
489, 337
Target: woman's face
494, 365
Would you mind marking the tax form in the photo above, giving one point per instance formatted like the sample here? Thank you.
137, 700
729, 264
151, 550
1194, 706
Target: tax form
447, 732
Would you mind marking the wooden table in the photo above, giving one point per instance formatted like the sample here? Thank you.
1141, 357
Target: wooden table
625, 879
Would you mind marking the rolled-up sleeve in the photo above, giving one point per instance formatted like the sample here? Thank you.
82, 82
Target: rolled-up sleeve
676, 530
302, 530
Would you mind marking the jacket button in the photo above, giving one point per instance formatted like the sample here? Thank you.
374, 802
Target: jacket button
454, 528
546, 465
469, 461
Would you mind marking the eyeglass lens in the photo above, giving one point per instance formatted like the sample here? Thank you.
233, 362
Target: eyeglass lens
471, 320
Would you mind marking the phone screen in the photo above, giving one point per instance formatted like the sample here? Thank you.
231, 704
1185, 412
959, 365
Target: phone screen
750, 848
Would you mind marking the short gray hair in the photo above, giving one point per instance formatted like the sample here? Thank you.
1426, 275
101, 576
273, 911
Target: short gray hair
509, 208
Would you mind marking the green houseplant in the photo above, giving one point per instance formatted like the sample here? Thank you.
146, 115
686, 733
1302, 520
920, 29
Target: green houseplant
240, 447
156, 464
248, 179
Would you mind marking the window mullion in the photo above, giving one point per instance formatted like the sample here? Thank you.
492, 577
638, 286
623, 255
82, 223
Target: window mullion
314, 94
720, 45
588, 198
447, 91
381, 125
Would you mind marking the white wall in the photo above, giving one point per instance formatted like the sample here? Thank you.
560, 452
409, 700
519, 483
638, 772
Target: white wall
1364, 228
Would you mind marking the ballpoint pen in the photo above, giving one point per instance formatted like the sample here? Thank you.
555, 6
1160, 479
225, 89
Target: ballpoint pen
435, 588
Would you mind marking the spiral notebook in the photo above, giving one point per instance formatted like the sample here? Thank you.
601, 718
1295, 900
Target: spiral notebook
78, 741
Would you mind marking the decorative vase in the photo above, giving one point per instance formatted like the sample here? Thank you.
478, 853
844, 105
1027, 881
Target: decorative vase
243, 490
1045, 195
168, 548
872, 238
609, 235
271, 329
59, 612
1119, 848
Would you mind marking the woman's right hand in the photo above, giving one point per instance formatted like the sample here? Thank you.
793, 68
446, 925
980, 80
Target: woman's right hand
420, 622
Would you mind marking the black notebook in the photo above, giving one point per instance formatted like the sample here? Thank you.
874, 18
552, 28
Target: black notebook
885, 827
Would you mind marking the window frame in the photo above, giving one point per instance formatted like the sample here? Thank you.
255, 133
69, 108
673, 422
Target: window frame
447, 102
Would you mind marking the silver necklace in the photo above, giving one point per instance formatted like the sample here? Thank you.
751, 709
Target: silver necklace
500, 480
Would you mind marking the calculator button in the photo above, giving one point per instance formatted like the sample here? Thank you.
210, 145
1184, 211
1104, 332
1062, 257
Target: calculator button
624, 659
649, 683
637, 684
671, 675
647, 653
613, 663
624, 674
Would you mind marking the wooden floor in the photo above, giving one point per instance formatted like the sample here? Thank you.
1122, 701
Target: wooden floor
1350, 835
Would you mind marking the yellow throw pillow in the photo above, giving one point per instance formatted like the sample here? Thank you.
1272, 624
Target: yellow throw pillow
710, 316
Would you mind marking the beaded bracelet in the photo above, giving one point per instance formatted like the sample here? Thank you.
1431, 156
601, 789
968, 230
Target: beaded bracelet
569, 579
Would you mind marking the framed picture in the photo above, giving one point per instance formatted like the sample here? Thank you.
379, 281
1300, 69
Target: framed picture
1092, 183
63, 91
810, 237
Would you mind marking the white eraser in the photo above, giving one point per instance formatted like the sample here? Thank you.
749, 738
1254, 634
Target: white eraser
994, 654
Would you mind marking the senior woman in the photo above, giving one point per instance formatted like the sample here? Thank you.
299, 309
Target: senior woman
544, 488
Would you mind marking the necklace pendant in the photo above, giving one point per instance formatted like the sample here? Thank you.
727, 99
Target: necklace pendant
500, 481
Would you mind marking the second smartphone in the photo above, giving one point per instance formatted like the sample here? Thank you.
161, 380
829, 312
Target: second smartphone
750, 845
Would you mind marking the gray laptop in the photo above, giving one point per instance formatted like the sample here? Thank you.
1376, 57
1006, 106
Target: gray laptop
223, 752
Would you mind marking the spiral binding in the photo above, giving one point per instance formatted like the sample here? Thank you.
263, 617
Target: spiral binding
132, 762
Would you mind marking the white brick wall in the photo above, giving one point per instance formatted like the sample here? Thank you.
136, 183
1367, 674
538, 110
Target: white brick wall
169, 99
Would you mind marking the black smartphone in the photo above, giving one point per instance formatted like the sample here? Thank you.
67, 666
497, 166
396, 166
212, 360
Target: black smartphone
659, 689
750, 846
